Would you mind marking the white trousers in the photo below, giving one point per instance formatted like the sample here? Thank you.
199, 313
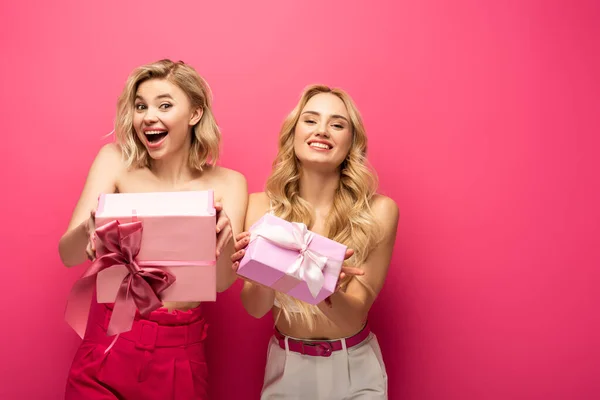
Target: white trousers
348, 374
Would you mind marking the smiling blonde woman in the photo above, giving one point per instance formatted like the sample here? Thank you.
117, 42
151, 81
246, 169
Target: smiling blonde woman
321, 178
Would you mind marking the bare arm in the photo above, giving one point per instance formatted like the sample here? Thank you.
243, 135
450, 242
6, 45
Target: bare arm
257, 299
235, 201
350, 308
102, 178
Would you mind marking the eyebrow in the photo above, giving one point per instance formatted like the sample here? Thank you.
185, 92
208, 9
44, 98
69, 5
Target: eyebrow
161, 96
333, 116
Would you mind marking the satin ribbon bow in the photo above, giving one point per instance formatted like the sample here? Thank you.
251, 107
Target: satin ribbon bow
120, 245
309, 264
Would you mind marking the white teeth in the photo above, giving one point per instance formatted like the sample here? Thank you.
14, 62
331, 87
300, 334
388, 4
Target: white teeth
319, 145
154, 132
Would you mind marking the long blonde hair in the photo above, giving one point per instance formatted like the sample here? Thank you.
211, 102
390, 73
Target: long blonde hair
350, 220
206, 134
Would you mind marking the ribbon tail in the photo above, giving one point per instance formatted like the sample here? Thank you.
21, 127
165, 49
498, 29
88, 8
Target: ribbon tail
78, 304
312, 270
112, 343
123, 313
314, 280
80, 296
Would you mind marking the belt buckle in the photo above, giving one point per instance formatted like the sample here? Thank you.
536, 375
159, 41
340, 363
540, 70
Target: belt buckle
323, 349
148, 332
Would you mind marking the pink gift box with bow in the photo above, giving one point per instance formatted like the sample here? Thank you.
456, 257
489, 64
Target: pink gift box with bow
291, 259
178, 237
150, 248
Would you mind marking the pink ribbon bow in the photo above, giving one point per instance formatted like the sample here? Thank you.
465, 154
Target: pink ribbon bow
119, 245
309, 264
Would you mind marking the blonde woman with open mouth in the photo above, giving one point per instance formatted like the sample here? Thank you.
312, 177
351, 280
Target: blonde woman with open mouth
167, 140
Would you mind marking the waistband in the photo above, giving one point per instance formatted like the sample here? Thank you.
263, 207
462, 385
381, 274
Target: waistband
161, 329
321, 348
163, 316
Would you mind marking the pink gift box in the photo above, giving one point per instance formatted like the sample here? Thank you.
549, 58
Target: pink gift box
291, 259
178, 236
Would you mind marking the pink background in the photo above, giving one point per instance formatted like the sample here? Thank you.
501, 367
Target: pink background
483, 121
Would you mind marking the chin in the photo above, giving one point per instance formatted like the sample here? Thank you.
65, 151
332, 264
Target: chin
319, 165
156, 154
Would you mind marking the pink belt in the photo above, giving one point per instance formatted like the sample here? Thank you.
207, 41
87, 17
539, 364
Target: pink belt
321, 348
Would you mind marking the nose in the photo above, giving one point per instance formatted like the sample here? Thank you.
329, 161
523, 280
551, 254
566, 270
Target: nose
150, 116
322, 129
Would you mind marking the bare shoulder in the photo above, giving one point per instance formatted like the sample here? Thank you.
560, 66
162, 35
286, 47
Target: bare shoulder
222, 172
103, 177
230, 186
111, 155
386, 212
108, 166
383, 204
226, 178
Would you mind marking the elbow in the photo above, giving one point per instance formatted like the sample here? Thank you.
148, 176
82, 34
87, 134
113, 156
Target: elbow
258, 314
222, 288
252, 308
67, 260
225, 284
67, 263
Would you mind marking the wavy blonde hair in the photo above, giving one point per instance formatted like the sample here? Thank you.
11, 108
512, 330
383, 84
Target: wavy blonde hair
350, 220
206, 134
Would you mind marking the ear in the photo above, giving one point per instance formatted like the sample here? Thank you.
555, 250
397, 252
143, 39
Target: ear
196, 116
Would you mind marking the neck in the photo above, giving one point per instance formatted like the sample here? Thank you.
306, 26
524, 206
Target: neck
318, 188
174, 168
